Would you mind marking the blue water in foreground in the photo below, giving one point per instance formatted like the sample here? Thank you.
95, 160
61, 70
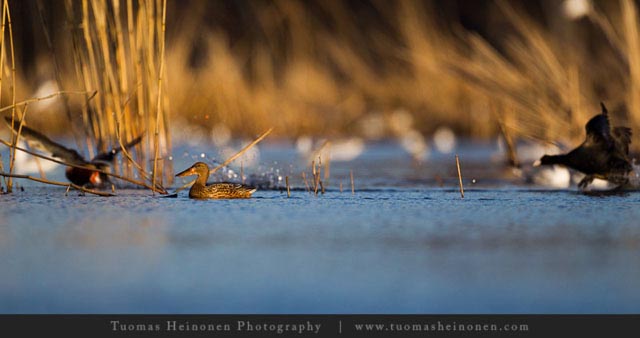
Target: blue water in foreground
416, 248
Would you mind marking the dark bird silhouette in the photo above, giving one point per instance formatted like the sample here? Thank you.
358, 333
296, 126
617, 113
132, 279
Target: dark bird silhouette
604, 154
87, 176
200, 189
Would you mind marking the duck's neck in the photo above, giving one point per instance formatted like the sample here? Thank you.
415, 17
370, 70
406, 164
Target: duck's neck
202, 178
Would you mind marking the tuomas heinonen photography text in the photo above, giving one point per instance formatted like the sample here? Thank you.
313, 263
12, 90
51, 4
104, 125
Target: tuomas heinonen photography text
247, 326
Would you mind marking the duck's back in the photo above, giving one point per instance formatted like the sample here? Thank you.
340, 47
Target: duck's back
221, 191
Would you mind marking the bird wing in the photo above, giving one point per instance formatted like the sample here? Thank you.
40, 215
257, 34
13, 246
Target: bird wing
43, 143
622, 138
110, 155
599, 130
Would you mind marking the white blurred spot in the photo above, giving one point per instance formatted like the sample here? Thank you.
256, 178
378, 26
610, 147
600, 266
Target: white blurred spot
575, 9
45, 89
528, 152
444, 140
553, 176
220, 134
304, 144
28, 164
596, 184
346, 150
203, 155
414, 143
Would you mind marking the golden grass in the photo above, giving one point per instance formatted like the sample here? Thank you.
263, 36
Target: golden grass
542, 82
319, 69
120, 72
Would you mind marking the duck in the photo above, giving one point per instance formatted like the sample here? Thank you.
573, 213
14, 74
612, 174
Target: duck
604, 154
224, 190
90, 175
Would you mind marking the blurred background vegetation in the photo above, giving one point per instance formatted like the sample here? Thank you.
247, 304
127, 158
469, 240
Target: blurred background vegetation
330, 68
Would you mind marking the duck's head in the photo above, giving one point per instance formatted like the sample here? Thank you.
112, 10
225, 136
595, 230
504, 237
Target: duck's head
199, 168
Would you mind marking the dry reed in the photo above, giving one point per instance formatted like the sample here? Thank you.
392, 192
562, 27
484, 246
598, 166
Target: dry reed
6, 19
305, 76
306, 183
68, 185
353, 186
120, 69
459, 177
286, 179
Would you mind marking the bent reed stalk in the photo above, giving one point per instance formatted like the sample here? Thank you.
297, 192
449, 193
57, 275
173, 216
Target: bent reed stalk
68, 185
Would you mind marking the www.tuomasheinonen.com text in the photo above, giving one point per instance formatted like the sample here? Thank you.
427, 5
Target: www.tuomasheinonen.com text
239, 326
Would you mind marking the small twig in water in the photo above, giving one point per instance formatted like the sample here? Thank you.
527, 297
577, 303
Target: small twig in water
353, 187
460, 177
306, 184
286, 179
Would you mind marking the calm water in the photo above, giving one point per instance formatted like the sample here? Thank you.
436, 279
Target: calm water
401, 244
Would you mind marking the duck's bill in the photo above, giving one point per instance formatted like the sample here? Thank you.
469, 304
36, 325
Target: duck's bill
537, 163
188, 172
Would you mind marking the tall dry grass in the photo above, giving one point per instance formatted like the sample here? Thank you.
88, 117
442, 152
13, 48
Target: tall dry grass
113, 52
540, 80
7, 28
323, 67
118, 51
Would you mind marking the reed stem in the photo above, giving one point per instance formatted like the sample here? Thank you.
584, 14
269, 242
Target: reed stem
353, 186
94, 192
459, 177
156, 135
286, 179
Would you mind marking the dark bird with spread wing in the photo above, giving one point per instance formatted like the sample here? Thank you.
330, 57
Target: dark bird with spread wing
604, 154
88, 176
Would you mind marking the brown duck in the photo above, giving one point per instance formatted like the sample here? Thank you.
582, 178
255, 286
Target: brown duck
604, 154
87, 176
201, 190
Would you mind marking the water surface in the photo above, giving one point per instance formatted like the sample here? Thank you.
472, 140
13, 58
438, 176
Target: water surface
399, 245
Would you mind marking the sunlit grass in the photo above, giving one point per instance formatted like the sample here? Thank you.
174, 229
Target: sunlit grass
321, 69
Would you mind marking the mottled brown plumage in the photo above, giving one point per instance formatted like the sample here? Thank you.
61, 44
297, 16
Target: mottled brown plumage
200, 189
